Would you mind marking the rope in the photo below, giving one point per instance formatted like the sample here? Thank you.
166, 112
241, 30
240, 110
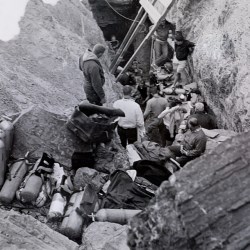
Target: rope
119, 13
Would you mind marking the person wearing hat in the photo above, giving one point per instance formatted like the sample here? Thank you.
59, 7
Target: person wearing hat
93, 73
182, 49
205, 120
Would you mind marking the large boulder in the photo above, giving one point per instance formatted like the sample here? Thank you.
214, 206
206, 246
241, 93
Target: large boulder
105, 236
20, 231
206, 207
221, 62
38, 131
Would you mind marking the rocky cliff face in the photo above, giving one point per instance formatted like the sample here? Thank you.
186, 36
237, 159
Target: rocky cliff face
40, 66
221, 31
207, 207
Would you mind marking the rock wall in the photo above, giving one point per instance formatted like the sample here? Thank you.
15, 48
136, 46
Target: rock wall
40, 66
24, 232
221, 31
207, 207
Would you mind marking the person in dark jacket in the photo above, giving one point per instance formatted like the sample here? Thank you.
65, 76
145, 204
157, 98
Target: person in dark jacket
205, 120
93, 73
192, 145
183, 48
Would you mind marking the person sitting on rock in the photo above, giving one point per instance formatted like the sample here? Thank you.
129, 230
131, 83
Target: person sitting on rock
205, 120
183, 48
193, 143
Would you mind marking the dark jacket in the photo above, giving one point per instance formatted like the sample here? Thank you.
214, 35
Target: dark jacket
183, 50
94, 77
205, 120
194, 142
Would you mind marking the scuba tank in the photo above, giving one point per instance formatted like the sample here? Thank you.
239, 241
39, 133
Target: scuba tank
2, 162
8, 128
32, 188
17, 172
72, 223
120, 216
57, 206
58, 203
32, 185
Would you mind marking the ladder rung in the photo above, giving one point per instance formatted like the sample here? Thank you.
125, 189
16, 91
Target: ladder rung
150, 9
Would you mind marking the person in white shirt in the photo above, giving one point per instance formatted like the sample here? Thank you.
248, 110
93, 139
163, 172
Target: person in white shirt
131, 126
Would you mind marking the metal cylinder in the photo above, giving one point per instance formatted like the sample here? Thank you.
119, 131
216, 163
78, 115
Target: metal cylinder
120, 216
2, 162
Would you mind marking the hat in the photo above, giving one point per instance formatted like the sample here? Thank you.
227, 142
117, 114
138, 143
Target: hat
98, 49
199, 106
178, 36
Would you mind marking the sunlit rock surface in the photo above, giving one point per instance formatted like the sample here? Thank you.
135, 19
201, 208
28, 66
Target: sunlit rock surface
207, 207
24, 232
221, 31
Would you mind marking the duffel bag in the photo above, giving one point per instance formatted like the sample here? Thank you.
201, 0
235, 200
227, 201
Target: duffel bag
91, 129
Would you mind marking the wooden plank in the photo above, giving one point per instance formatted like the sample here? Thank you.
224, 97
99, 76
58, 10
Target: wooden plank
149, 8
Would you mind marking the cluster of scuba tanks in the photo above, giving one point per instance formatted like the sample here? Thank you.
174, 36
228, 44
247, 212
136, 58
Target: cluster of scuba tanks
45, 180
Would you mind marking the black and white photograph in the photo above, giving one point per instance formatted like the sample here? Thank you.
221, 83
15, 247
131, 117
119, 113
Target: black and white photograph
124, 125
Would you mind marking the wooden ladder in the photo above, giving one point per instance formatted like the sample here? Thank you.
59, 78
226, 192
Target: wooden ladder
148, 9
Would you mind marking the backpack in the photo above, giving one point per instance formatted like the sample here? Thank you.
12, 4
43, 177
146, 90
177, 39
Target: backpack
91, 129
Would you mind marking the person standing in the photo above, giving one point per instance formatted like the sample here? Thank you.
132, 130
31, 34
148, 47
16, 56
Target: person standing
183, 48
93, 73
163, 50
156, 130
131, 126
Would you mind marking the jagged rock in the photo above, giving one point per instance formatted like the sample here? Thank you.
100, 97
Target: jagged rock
19, 231
207, 207
105, 236
38, 131
218, 136
221, 62
90, 176
40, 66
111, 157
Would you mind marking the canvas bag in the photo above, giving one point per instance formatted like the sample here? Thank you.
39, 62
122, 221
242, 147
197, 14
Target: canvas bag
89, 129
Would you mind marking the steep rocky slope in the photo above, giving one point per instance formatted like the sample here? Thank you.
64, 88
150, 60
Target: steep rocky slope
40, 66
221, 31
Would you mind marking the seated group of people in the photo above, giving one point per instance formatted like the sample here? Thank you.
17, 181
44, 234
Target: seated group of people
175, 123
